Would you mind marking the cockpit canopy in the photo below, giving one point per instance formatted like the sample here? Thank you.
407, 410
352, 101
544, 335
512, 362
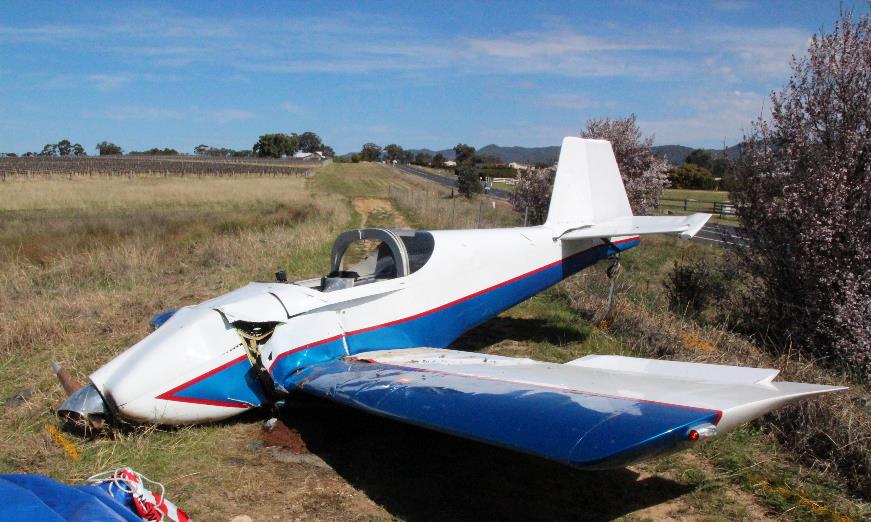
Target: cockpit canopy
368, 255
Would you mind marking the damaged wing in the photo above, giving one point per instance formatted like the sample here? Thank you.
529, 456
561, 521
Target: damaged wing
595, 412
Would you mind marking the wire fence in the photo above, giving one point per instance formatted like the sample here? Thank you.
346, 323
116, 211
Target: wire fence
438, 210
121, 166
723, 209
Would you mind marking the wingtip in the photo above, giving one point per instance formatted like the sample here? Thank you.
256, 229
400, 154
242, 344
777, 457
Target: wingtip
695, 222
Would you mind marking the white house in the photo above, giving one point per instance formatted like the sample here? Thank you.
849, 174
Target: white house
519, 166
450, 163
309, 156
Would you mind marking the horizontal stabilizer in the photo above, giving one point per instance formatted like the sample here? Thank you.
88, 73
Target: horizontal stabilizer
685, 226
595, 412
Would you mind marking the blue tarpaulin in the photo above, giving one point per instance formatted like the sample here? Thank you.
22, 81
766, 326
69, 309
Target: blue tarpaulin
35, 497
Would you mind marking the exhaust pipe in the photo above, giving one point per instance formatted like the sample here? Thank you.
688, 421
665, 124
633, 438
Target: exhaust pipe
66, 380
84, 411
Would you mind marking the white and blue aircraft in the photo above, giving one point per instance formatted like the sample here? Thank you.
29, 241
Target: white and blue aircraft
374, 336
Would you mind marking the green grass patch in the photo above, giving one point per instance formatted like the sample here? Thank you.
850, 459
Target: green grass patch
709, 196
749, 458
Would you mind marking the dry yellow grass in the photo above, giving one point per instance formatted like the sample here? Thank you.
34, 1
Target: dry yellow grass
91, 194
85, 263
435, 209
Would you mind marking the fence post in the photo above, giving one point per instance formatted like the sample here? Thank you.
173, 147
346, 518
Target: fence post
453, 209
525, 215
684, 205
480, 209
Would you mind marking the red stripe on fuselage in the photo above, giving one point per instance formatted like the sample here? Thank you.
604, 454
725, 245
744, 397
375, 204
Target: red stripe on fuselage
170, 397
456, 301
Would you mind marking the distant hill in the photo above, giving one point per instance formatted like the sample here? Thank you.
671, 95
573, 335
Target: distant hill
675, 154
507, 154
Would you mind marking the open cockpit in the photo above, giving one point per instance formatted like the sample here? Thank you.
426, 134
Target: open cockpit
368, 255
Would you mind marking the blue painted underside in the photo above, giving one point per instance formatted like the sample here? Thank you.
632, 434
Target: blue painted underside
583, 430
283, 370
235, 385
158, 319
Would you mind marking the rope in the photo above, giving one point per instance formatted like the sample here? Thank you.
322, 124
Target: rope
115, 478
613, 272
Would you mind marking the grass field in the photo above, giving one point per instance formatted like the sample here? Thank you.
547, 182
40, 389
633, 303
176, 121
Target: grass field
708, 196
85, 262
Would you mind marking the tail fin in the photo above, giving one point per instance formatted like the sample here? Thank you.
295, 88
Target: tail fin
589, 199
588, 188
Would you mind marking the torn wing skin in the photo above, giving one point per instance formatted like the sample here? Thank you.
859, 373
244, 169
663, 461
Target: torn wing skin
595, 412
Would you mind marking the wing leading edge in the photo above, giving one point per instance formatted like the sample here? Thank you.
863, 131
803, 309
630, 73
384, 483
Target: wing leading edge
588, 416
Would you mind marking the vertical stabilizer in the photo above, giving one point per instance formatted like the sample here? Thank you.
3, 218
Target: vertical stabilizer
588, 188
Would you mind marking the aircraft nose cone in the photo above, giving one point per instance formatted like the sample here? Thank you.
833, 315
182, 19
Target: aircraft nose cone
85, 410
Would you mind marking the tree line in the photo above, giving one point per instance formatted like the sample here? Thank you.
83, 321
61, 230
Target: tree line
275, 145
394, 153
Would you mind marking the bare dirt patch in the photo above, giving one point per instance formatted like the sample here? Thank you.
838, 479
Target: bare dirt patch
281, 436
382, 208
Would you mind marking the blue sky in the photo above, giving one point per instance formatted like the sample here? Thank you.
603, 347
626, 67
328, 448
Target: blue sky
419, 74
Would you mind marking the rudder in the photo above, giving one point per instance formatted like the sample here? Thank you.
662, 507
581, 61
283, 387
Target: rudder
588, 188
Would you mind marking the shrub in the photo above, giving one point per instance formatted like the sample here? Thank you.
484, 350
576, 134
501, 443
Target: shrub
644, 175
468, 180
704, 290
804, 196
690, 176
532, 194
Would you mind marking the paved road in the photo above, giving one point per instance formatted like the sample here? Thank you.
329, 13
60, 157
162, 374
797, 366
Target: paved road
722, 235
712, 233
449, 182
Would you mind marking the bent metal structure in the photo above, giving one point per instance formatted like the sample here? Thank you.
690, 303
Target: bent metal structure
374, 335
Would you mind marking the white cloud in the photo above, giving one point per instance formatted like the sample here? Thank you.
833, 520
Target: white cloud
546, 43
527, 134
292, 108
227, 115
135, 112
758, 52
731, 5
358, 43
107, 82
574, 101
41, 34
714, 118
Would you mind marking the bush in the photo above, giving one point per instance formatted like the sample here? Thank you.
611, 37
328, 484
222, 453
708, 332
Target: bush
468, 180
532, 194
644, 174
804, 196
690, 176
705, 291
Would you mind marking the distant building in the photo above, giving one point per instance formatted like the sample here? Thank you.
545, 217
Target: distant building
309, 156
450, 163
518, 166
